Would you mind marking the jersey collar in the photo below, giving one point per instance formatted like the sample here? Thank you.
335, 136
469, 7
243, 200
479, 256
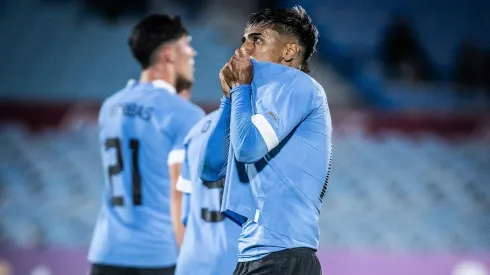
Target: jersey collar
162, 84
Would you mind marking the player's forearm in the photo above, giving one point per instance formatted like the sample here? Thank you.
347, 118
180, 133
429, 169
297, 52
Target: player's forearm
176, 212
214, 155
176, 203
248, 144
179, 229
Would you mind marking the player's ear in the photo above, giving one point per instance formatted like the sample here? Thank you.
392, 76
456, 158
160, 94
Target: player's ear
291, 50
167, 53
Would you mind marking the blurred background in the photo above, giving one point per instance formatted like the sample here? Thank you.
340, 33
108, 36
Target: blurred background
408, 83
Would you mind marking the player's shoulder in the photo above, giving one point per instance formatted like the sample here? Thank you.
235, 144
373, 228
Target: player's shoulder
203, 126
288, 77
299, 80
131, 92
207, 122
114, 98
171, 102
304, 86
112, 101
212, 116
168, 103
187, 108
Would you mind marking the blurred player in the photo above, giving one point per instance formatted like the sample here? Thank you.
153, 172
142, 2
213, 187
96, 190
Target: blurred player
211, 241
279, 128
142, 129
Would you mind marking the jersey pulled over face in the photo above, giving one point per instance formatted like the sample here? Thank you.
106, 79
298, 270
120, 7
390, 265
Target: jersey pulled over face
142, 129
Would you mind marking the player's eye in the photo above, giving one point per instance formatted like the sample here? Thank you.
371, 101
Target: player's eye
257, 40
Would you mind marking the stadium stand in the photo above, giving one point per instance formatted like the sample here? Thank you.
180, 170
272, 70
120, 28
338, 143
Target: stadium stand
353, 30
397, 192
70, 47
88, 47
388, 191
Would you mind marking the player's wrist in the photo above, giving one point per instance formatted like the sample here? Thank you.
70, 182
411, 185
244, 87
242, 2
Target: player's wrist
242, 82
241, 88
225, 100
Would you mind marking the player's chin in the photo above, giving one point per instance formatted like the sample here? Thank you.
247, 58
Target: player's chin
189, 78
186, 76
189, 81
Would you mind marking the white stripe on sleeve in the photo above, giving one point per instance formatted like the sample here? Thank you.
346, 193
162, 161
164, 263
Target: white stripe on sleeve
176, 156
257, 215
266, 131
184, 186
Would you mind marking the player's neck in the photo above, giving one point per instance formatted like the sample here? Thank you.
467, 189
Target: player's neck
293, 64
150, 75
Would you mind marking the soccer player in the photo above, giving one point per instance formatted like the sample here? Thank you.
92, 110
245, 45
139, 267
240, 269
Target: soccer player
142, 129
210, 244
277, 121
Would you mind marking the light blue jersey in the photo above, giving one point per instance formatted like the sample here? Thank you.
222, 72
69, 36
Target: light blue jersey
142, 129
278, 161
210, 244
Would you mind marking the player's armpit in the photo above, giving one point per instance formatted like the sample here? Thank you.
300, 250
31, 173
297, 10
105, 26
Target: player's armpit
176, 203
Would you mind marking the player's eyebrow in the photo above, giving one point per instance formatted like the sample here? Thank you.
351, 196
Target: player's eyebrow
250, 36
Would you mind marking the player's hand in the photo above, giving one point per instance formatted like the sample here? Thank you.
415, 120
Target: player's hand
241, 69
224, 85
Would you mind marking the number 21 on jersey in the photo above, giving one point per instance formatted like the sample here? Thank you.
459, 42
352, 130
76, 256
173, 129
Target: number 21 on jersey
118, 167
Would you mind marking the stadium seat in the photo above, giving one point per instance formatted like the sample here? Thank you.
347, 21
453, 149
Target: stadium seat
388, 191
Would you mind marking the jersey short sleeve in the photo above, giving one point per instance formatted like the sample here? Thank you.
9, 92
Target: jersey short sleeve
184, 184
183, 122
278, 112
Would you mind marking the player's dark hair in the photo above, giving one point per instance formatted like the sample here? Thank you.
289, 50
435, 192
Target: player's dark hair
305, 67
150, 33
293, 21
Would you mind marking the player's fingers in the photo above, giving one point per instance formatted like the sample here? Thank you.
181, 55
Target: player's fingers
234, 62
228, 75
222, 69
222, 81
229, 66
222, 74
240, 53
229, 60
227, 72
